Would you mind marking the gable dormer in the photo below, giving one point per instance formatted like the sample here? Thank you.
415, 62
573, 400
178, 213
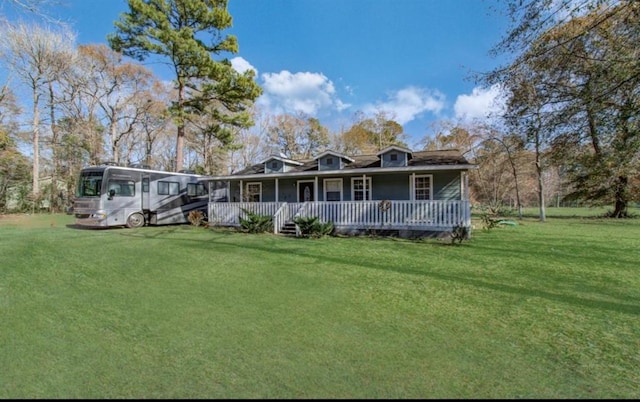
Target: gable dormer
331, 160
279, 164
394, 156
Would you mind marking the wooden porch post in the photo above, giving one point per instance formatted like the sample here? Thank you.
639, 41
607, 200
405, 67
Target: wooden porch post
277, 195
364, 188
241, 192
412, 182
228, 190
466, 186
315, 187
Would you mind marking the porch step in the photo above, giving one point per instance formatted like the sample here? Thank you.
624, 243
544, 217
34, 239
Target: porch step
288, 229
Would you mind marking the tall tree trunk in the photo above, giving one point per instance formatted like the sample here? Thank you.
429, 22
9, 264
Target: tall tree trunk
515, 178
621, 197
36, 145
180, 148
96, 143
180, 138
53, 200
626, 135
114, 142
543, 214
514, 172
148, 146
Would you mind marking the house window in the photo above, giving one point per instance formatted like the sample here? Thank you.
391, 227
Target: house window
422, 188
274, 165
329, 161
358, 192
333, 190
393, 157
168, 188
253, 192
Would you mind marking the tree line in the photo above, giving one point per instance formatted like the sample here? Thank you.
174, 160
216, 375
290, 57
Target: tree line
569, 132
573, 94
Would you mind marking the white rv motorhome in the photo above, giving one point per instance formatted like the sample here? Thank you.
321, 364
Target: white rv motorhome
109, 195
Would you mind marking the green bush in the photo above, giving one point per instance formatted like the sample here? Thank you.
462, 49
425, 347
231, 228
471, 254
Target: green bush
312, 227
489, 221
459, 233
256, 223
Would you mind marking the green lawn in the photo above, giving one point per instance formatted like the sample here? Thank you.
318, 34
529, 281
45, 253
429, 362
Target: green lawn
537, 310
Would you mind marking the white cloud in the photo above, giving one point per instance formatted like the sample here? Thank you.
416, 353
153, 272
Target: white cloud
299, 92
241, 65
482, 103
407, 104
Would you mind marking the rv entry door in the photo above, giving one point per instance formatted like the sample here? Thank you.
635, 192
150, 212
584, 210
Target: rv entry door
145, 193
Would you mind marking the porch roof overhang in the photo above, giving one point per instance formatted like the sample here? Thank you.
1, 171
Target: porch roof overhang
341, 172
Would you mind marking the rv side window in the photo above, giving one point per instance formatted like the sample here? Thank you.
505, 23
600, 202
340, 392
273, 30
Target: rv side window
122, 188
168, 188
196, 189
145, 185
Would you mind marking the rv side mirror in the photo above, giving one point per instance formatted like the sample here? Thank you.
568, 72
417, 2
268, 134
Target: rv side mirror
112, 192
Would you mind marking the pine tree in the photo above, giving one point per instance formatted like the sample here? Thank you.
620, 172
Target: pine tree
178, 30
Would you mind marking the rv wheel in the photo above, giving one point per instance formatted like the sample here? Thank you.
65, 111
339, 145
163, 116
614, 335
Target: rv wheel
135, 220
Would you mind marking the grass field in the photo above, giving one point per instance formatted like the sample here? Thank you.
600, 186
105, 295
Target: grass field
537, 310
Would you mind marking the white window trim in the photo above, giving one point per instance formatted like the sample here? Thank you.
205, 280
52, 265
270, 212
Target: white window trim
369, 188
412, 185
259, 187
324, 188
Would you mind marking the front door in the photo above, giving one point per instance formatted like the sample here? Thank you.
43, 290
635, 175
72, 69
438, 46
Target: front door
305, 191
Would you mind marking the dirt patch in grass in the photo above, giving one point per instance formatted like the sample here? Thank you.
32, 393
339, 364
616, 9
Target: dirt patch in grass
33, 220
12, 218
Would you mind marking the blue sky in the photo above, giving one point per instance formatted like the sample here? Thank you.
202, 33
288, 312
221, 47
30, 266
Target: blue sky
412, 59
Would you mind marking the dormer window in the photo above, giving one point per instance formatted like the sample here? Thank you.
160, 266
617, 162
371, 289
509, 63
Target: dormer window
279, 164
331, 160
394, 156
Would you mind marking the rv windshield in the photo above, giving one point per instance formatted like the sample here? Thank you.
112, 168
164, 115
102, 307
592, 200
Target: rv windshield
89, 184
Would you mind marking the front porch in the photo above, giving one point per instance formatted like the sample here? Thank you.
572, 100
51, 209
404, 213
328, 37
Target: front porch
352, 216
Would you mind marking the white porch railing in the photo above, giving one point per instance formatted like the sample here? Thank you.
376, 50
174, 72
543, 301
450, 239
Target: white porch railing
228, 213
425, 215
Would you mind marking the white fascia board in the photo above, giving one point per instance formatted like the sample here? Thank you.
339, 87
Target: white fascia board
394, 147
334, 153
284, 160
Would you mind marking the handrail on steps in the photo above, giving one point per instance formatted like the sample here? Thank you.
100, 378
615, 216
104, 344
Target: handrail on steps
277, 217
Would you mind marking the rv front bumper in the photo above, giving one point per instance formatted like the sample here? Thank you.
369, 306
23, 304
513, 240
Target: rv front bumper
98, 219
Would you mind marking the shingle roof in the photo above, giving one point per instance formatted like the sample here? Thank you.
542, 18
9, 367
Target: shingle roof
420, 158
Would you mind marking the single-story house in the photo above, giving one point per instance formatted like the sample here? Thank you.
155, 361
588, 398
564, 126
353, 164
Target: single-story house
396, 190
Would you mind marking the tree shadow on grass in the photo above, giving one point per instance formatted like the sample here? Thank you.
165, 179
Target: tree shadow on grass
80, 227
631, 309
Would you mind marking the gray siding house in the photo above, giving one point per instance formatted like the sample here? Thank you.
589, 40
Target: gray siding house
423, 193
